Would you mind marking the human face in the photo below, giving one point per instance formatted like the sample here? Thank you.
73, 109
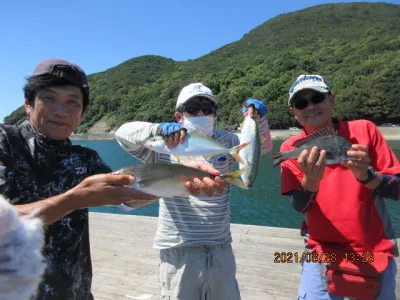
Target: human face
56, 111
198, 106
318, 111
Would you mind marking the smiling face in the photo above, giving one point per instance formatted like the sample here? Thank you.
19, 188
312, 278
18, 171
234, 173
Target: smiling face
56, 111
314, 115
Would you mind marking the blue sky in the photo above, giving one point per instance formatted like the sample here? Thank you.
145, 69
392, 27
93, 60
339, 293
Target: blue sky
100, 34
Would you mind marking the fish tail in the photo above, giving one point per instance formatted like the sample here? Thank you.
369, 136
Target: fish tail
277, 157
235, 152
233, 178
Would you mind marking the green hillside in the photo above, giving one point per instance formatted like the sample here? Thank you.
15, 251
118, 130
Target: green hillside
355, 46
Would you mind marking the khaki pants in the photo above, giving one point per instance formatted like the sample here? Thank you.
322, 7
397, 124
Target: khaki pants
199, 273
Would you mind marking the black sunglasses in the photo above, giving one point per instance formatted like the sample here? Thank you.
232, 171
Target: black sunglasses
301, 103
192, 109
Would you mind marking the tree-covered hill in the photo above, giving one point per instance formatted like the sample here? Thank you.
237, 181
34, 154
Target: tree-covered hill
355, 46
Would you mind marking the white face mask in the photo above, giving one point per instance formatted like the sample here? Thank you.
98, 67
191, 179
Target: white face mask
203, 124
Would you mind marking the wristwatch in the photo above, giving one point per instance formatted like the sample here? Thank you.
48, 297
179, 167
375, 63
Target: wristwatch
371, 176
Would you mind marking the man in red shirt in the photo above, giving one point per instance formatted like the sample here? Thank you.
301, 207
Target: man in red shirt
350, 243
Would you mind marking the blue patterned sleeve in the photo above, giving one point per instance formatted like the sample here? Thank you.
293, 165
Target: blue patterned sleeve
5, 163
99, 166
389, 187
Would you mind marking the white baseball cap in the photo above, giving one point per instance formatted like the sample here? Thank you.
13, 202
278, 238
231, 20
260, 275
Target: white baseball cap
314, 82
193, 90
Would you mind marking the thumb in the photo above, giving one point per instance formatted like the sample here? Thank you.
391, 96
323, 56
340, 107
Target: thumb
119, 179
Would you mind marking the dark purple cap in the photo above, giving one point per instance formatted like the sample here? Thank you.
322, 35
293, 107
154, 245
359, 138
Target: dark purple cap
65, 70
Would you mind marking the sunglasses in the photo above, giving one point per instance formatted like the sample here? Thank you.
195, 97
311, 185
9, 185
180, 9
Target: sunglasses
192, 109
301, 103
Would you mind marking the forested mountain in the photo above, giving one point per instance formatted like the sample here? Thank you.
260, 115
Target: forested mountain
355, 46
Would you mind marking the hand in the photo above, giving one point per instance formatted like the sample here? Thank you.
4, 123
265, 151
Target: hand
206, 185
107, 189
313, 168
360, 161
173, 133
258, 108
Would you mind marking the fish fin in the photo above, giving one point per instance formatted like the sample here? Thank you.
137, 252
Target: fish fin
176, 158
233, 178
277, 158
197, 132
325, 131
235, 152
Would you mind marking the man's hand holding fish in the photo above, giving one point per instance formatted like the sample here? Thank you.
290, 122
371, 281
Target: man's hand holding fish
360, 165
313, 167
108, 189
206, 184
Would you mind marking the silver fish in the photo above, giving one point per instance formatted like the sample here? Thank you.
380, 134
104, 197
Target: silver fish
336, 147
195, 145
250, 154
168, 180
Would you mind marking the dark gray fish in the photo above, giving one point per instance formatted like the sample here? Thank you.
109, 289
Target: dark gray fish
336, 147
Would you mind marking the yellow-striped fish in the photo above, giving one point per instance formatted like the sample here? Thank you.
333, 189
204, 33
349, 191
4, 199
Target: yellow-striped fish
168, 180
250, 155
195, 145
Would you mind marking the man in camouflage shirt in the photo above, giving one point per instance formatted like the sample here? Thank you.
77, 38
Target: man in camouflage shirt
43, 175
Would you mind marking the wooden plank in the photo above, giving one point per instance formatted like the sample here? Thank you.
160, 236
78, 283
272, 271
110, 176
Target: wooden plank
125, 266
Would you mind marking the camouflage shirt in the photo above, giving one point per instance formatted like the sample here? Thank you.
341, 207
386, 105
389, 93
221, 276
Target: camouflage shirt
33, 168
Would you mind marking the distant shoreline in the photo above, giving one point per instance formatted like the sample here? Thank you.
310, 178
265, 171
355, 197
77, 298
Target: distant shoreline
390, 133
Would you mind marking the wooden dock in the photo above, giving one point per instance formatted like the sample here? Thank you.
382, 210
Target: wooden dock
125, 266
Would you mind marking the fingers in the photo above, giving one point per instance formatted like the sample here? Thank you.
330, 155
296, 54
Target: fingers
256, 115
192, 189
359, 147
312, 164
113, 179
250, 111
182, 136
302, 159
201, 165
357, 164
206, 185
320, 164
213, 186
222, 183
360, 159
359, 155
203, 186
175, 138
313, 156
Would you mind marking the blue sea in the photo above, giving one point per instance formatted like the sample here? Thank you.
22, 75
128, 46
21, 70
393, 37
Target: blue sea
260, 205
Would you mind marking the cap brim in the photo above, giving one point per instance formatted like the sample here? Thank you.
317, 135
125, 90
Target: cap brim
202, 95
319, 89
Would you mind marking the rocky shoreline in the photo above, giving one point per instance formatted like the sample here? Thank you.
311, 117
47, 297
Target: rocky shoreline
390, 133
